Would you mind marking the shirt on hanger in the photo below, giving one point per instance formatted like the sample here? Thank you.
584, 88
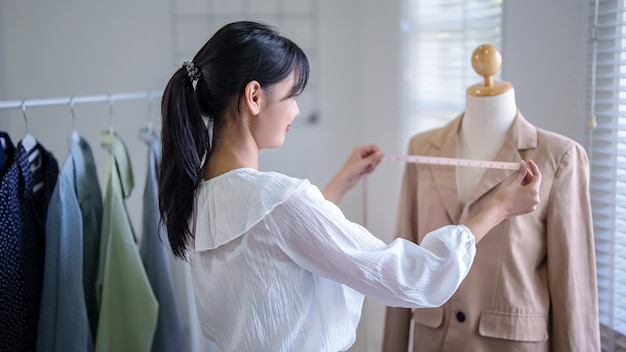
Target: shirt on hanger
169, 334
63, 322
22, 236
127, 306
90, 202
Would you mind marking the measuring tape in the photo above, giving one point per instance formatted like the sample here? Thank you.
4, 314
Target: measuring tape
433, 160
420, 159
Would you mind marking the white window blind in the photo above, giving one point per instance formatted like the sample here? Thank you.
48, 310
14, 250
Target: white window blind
438, 38
607, 153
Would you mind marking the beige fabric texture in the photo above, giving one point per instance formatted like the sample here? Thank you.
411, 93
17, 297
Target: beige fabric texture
532, 286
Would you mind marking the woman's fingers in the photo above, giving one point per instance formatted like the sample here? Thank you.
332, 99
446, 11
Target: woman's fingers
536, 174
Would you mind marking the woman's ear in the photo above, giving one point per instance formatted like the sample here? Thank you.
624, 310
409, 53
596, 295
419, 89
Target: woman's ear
253, 96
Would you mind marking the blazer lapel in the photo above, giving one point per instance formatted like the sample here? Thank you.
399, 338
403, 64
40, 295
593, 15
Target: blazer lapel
444, 144
521, 136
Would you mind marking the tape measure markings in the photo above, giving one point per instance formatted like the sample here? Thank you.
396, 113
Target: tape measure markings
433, 160
420, 159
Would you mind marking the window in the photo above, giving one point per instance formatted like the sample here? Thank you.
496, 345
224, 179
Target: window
607, 153
438, 38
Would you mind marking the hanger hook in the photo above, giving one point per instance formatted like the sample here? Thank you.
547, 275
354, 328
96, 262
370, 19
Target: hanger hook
149, 111
110, 113
23, 106
73, 114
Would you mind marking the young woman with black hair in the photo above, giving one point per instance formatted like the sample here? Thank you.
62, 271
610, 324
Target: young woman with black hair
276, 265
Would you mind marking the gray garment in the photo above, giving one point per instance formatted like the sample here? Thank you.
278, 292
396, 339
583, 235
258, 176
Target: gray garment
154, 254
90, 201
63, 321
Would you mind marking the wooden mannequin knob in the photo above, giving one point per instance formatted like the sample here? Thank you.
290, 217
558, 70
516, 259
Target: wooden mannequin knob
486, 61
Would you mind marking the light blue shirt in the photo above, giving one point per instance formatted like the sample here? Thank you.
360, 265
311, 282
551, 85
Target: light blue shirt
63, 318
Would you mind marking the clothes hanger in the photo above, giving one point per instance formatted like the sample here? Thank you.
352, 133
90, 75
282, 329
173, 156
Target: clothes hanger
29, 142
146, 132
75, 134
111, 130
30, 145
150, 126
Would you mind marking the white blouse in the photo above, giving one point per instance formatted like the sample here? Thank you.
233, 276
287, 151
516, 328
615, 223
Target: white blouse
277, 267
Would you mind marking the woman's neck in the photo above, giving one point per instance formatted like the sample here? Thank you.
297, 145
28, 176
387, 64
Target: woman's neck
231, 153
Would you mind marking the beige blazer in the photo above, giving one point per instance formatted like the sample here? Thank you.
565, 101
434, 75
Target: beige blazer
532, 286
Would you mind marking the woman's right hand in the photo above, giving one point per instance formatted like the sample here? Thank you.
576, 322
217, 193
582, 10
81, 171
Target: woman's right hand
519, 193
516, 195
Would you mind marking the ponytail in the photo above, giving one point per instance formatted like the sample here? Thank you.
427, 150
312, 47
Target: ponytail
236, 54
185, 144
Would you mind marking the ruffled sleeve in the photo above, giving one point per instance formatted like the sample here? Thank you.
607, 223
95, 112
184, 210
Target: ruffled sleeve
315, 234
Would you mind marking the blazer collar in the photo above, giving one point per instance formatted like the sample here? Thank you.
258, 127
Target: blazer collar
521, 136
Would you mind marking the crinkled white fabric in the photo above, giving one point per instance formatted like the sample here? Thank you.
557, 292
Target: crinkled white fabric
276, 267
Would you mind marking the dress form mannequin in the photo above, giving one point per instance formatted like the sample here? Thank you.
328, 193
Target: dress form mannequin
489, 111
533, 283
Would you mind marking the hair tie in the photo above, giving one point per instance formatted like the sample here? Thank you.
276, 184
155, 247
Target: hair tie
192, 71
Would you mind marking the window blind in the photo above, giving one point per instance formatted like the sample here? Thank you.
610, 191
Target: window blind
607, 153
438, 38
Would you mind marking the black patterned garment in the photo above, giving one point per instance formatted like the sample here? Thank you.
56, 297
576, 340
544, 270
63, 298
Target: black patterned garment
6, 155
25, 192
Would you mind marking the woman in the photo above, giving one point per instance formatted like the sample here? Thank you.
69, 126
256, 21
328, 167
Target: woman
276, 265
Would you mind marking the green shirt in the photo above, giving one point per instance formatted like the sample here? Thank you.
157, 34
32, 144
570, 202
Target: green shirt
128, 307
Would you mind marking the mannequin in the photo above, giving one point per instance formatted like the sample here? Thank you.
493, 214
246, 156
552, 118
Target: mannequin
489, 112
533, 285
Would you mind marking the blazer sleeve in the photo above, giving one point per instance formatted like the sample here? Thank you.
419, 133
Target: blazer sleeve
571, 256
398, 320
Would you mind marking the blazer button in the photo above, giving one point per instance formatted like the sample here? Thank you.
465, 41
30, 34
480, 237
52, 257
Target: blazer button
460, 316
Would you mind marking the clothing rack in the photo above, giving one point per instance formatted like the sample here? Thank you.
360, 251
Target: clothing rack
110, 98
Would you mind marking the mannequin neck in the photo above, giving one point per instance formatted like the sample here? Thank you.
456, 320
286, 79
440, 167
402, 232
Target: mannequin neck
488, 117
483, 130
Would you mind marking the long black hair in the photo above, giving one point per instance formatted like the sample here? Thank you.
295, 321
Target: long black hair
236, 54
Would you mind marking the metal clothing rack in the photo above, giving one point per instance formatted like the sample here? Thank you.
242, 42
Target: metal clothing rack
110, 98
103, 98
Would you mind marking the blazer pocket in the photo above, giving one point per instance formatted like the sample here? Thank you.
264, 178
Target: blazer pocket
515, 327
430, 317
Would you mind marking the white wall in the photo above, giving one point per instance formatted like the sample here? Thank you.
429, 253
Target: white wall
380, 122
71, 47
544, 58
